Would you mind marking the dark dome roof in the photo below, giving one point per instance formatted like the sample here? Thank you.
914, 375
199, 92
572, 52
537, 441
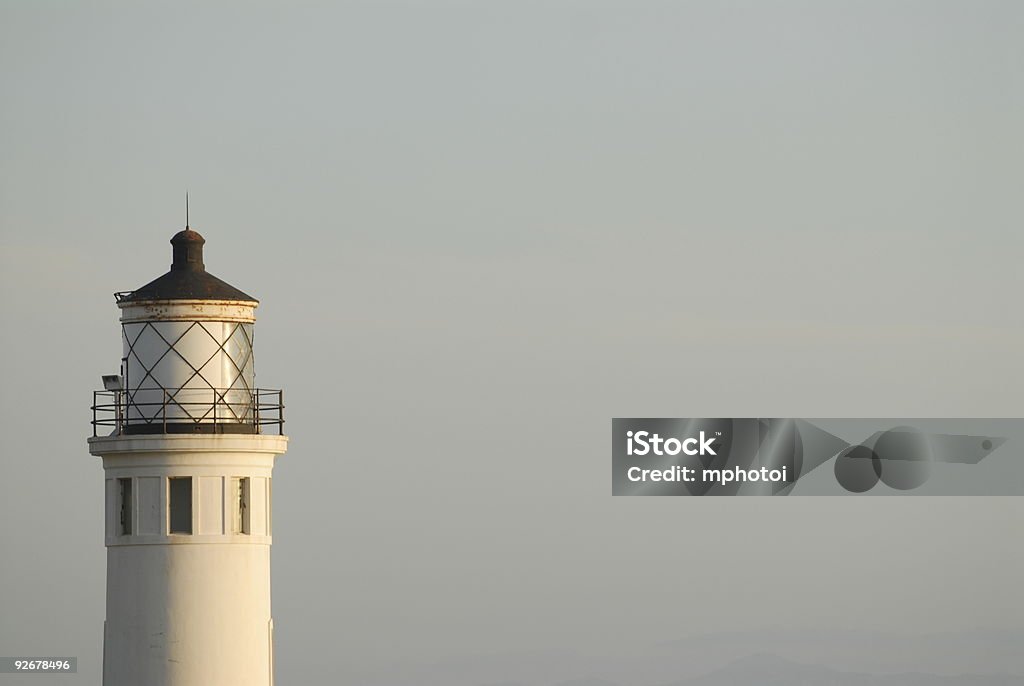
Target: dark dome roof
188, 278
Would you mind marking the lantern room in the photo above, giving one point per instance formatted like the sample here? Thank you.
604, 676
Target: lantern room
187, 364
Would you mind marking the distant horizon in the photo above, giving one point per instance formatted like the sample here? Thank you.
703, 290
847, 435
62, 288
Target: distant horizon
693, 664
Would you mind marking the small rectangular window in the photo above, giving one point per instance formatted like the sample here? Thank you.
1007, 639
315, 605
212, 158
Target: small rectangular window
124, 507
179, 503
240, 498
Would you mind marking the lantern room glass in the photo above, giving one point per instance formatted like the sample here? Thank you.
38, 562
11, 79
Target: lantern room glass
188, 372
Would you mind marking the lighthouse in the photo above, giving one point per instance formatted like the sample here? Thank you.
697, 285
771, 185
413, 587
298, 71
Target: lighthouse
188, 445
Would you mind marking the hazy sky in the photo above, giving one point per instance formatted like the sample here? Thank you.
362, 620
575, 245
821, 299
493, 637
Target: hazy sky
479, 230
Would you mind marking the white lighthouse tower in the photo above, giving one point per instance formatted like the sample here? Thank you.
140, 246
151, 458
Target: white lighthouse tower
188, 464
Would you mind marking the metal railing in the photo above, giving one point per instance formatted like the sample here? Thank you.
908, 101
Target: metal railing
260, 410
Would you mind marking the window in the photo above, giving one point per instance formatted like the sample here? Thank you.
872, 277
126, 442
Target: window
240, 498
124, 507
180, 505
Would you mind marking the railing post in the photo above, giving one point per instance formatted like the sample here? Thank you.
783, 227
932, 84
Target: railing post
164, 407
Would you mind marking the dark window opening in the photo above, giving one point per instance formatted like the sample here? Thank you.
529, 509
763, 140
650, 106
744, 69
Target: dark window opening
241, 509
124, 507
180, 505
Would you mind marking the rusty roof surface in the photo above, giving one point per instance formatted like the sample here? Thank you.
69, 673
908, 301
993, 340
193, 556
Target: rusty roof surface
188, 278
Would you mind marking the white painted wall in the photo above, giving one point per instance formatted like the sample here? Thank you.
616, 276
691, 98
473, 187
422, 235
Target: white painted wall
188, 610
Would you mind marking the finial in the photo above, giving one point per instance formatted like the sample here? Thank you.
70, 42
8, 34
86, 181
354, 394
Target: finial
186, 209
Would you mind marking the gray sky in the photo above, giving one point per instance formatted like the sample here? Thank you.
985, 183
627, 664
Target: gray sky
481, 230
